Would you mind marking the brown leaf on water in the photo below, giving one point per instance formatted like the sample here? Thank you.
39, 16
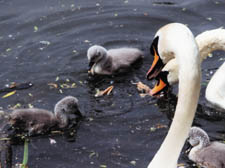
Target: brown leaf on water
143, 88
158, 126
107, 91
53, 85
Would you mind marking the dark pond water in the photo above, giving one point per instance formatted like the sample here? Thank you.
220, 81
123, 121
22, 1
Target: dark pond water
45, 41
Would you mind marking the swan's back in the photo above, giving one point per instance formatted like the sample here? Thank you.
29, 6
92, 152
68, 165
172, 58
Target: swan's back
215, 91
124, 57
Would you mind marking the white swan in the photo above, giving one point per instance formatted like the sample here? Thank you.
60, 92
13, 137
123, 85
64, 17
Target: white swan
36, 121
176, 41
112, 61
208, 42
205, 153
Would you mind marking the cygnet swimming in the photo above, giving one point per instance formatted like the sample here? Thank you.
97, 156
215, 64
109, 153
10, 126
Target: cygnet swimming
108, 62
205, 153
36, 121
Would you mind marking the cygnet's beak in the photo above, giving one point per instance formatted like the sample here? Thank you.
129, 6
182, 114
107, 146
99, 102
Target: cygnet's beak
91, 63
162, 84
156, 67
188, 147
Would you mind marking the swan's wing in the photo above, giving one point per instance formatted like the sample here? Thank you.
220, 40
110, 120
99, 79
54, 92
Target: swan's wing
215, 91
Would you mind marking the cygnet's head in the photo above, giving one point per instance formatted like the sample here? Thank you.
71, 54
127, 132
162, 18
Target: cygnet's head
95, 54
197, 136
65, 108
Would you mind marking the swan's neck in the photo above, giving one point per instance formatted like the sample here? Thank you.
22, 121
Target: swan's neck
189, 88
210, 41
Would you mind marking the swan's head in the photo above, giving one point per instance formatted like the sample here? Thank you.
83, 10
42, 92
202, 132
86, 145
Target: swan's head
170, 40
173, 42
166, 78
197, 136
67, 108
95, 54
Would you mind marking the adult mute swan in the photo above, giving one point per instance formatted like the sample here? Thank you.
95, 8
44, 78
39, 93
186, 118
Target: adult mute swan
105, 62
208, 42
175, 40
205, 153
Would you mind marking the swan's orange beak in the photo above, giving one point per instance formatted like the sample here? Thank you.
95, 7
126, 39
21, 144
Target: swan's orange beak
156, 67
160, 86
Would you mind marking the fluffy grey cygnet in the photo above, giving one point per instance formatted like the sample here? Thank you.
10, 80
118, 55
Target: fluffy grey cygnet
205, 153
36, 121
112, 61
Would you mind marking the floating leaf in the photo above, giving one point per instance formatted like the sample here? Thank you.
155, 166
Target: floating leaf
103, 166
133, 162
73, 85
30, 106
86, 41
145, 14
35, 28
181, 165
25, 155
9, 94
107, 91
93, 153
57, 78
8, 49
30, 94
54, 85
210, 55
143, 88
74, 51
16, 106
45, 42
4, 139
152, 129
52, 141
60, 91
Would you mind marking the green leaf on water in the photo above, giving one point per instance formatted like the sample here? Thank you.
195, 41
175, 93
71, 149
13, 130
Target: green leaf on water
8, 49
35, 28
25, 155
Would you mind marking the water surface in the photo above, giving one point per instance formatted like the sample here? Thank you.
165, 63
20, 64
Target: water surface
46, 41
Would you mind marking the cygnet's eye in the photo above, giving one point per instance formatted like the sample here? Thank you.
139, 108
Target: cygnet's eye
94, 57
72, 106
98, 53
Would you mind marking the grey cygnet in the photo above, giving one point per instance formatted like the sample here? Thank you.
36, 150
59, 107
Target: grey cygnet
113, 61
205, 153
36, 121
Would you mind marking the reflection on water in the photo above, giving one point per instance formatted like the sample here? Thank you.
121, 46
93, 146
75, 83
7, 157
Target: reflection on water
45, 43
